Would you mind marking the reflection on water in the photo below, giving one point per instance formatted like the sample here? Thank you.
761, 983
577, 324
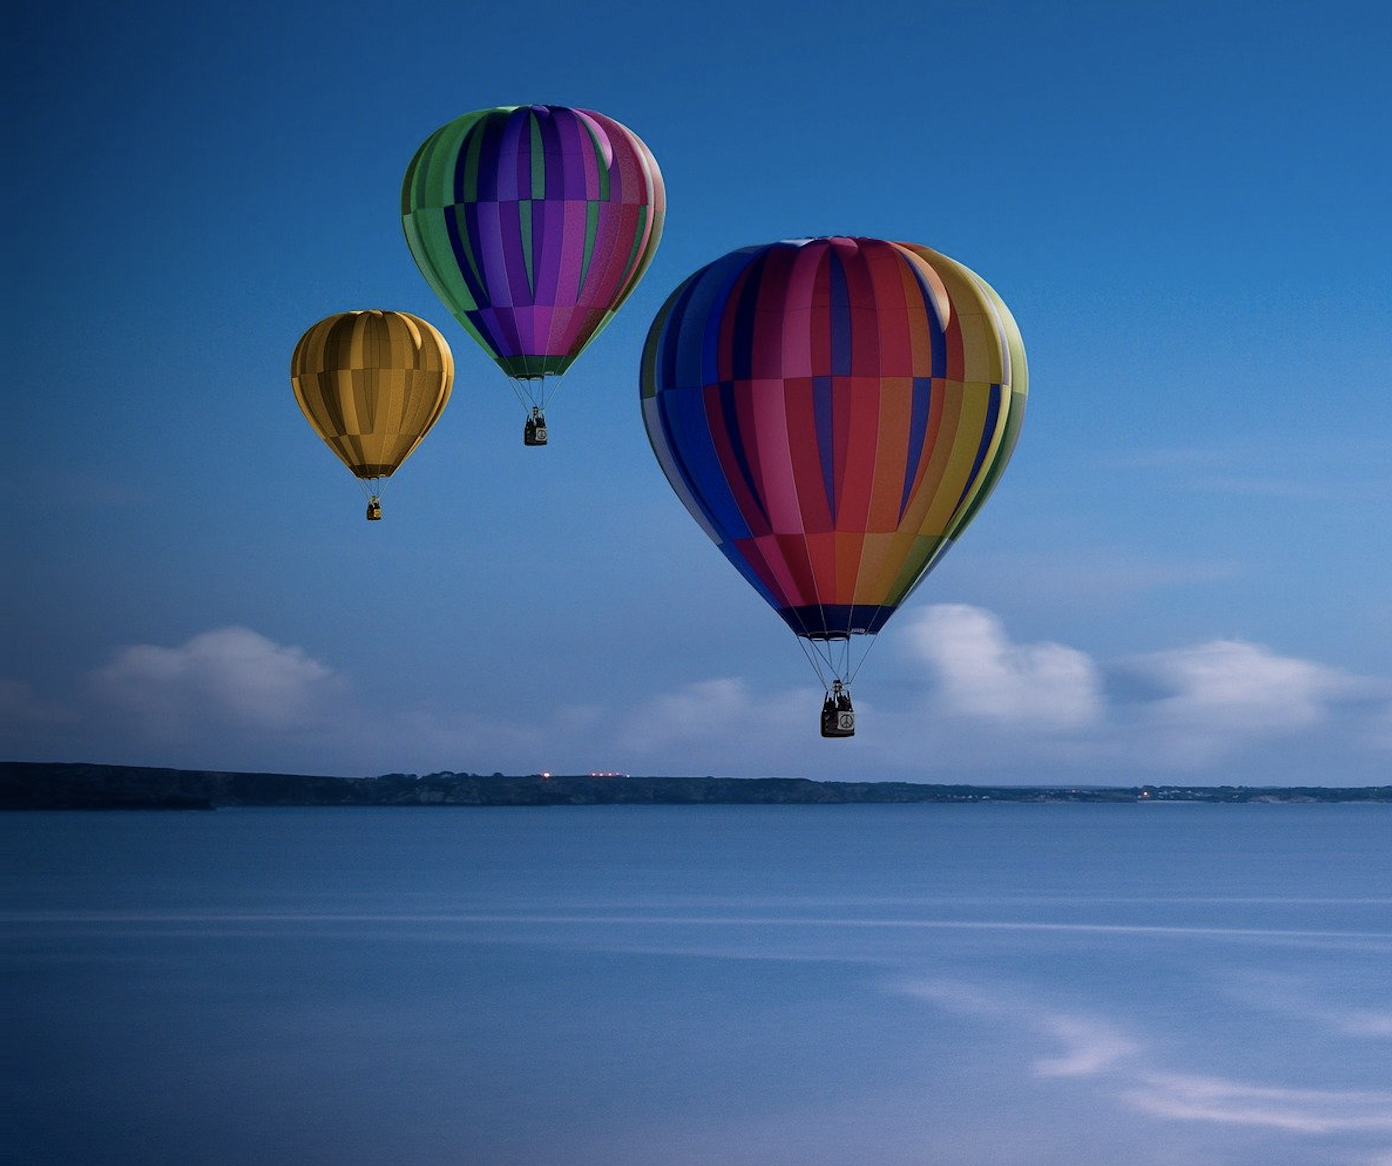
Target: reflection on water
639, 986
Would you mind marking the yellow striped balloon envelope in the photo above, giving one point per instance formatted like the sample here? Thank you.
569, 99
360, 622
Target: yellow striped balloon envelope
371, 384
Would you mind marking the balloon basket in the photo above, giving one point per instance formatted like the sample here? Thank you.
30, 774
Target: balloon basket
838, 715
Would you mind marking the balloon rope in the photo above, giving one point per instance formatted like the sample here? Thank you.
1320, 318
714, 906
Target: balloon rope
516, 386
827, 654
528, 397
810, 647
805, 631
812, 659
821, 609
824, 659
874, 638
557, 385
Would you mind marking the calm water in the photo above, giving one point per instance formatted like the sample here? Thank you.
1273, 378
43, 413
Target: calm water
734, 986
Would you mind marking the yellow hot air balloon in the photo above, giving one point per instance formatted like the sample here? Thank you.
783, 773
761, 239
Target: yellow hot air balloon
372, 384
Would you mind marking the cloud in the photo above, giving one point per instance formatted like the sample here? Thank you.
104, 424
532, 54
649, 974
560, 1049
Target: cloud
963, 699
1379, 731
1358, 470
1365, 1023
1183, 711
1234, 686
1088, 1046
723, 726
243, 699
1184, 1097
228, 678
979, 673
725, 705
1304, 999
1217, 696
968, 699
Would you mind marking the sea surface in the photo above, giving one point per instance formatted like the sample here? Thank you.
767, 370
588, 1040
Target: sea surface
985, 985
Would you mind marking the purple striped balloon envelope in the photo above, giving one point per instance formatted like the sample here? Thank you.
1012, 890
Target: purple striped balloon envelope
533, 224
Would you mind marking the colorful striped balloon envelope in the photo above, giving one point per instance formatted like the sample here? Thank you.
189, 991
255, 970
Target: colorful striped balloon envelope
533, 224
833, 412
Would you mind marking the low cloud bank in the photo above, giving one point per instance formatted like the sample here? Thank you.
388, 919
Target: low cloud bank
965, 702
1224, 711
229, 678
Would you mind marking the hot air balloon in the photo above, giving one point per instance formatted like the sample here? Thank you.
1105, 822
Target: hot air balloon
372, 384
533, 224
833, 412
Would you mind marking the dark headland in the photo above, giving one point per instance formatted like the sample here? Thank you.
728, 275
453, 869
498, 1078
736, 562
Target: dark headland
60, 786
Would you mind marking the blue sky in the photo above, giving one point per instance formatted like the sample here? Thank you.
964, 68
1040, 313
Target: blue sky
1183, 575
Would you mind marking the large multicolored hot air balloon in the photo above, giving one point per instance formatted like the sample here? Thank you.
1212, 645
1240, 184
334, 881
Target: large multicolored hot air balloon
533, 224
833, 412
372, 384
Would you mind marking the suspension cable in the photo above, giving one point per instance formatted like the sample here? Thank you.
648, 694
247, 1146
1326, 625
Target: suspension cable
812, 659
515, 384
874, 638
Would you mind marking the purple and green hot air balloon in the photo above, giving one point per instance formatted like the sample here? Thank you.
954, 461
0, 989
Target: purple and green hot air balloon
533, 224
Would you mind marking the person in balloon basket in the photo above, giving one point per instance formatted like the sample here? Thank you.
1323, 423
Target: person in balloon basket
534, 431
838, 716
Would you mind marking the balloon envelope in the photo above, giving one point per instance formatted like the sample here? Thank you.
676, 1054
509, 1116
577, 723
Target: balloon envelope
833, 412
372, 384
533, 224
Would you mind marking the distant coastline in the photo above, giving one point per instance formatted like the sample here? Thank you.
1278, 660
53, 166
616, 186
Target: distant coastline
64, 786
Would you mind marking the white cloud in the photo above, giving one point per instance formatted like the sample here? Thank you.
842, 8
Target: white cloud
688, 713
1223, 694
723, 726
971, 701
1379, 734
1368, 1023
968, 702
228, 678
980, 673
1088, 1046
243, 699
988, 701
1187, 1097
1234, 686
1304, 999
